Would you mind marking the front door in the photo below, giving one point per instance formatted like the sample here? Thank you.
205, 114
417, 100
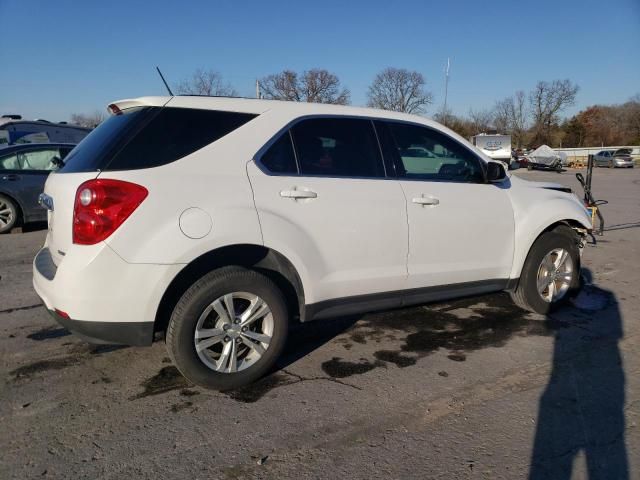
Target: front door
461, 229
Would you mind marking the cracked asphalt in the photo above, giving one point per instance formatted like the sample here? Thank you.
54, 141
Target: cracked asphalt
473, 388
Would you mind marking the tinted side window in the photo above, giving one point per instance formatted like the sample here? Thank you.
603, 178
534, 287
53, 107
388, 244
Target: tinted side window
175, 133
337, 147
39, 159
279, 158
9, 162
430, 155
33, 160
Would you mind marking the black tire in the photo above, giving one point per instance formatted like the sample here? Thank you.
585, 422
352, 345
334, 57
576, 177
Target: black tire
526, 295
10, 216
182, 325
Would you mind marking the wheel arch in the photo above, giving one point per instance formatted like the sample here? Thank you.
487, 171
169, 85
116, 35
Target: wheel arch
257, 257
519, 262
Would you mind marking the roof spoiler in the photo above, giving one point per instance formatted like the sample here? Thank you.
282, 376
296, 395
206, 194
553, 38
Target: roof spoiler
119, 106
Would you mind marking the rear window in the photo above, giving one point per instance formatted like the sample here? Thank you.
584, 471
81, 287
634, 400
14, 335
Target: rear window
151, 136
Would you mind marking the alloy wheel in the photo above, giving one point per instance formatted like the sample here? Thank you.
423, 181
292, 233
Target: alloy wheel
555, 275
233, 332
6, 214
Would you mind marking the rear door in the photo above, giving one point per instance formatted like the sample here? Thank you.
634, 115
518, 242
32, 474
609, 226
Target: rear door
327, 206
461, 229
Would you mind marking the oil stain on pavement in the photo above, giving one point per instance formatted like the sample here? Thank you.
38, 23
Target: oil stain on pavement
459, 327
338, 368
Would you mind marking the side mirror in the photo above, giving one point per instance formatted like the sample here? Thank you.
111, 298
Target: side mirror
496, 172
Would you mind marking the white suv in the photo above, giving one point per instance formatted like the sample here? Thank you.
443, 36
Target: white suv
219, 221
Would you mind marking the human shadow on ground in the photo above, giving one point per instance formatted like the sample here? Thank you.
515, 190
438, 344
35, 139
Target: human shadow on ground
582, 407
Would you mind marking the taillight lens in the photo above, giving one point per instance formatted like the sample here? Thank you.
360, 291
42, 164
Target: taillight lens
101, 206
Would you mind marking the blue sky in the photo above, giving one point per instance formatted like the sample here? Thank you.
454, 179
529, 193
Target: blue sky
63, 56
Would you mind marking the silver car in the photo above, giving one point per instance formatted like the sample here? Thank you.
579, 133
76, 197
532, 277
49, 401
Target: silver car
614, 158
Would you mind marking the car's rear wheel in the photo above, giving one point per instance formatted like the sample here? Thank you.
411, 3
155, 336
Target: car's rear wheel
228, 329
551, 273
8, 214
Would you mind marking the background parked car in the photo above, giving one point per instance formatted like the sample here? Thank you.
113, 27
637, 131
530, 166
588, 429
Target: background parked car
23, 171
614, 158
14, 131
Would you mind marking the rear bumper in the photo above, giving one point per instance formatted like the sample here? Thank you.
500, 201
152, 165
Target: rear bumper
103, 298
113, 333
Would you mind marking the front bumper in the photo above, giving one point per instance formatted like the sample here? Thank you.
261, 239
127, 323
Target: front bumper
96, 294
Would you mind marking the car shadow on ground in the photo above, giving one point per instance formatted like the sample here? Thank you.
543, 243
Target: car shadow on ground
582, 408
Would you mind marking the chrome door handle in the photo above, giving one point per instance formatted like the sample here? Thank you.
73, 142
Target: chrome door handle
426, 201
12, 177
298, 194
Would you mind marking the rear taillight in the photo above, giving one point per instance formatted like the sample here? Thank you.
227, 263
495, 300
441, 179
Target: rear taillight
101, 206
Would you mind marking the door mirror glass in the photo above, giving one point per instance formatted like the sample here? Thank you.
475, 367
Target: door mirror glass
496, 172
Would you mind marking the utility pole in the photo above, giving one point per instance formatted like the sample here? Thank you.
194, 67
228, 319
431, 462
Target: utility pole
446, 91
257, 88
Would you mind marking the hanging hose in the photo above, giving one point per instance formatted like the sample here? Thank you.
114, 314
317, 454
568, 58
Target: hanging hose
589, 201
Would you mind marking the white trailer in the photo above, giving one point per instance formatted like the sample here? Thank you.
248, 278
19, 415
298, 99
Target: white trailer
498, 147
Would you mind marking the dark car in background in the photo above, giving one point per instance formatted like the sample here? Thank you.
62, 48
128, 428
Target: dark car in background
14, 131
23, 171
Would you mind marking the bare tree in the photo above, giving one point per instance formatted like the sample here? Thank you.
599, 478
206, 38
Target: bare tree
314, 86
206, 82
400, 90
510, 116
631, 118
502, 115
547, 100
91, 120
462, 126
481, 120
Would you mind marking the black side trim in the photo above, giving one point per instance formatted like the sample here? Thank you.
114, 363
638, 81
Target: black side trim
114, 333
400, 298
44, 264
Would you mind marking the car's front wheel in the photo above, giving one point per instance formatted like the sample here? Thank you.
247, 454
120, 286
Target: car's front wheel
228, 329
8, 214
551, 273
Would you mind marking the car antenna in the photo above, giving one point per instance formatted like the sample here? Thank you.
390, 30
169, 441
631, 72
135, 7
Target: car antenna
164, 81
